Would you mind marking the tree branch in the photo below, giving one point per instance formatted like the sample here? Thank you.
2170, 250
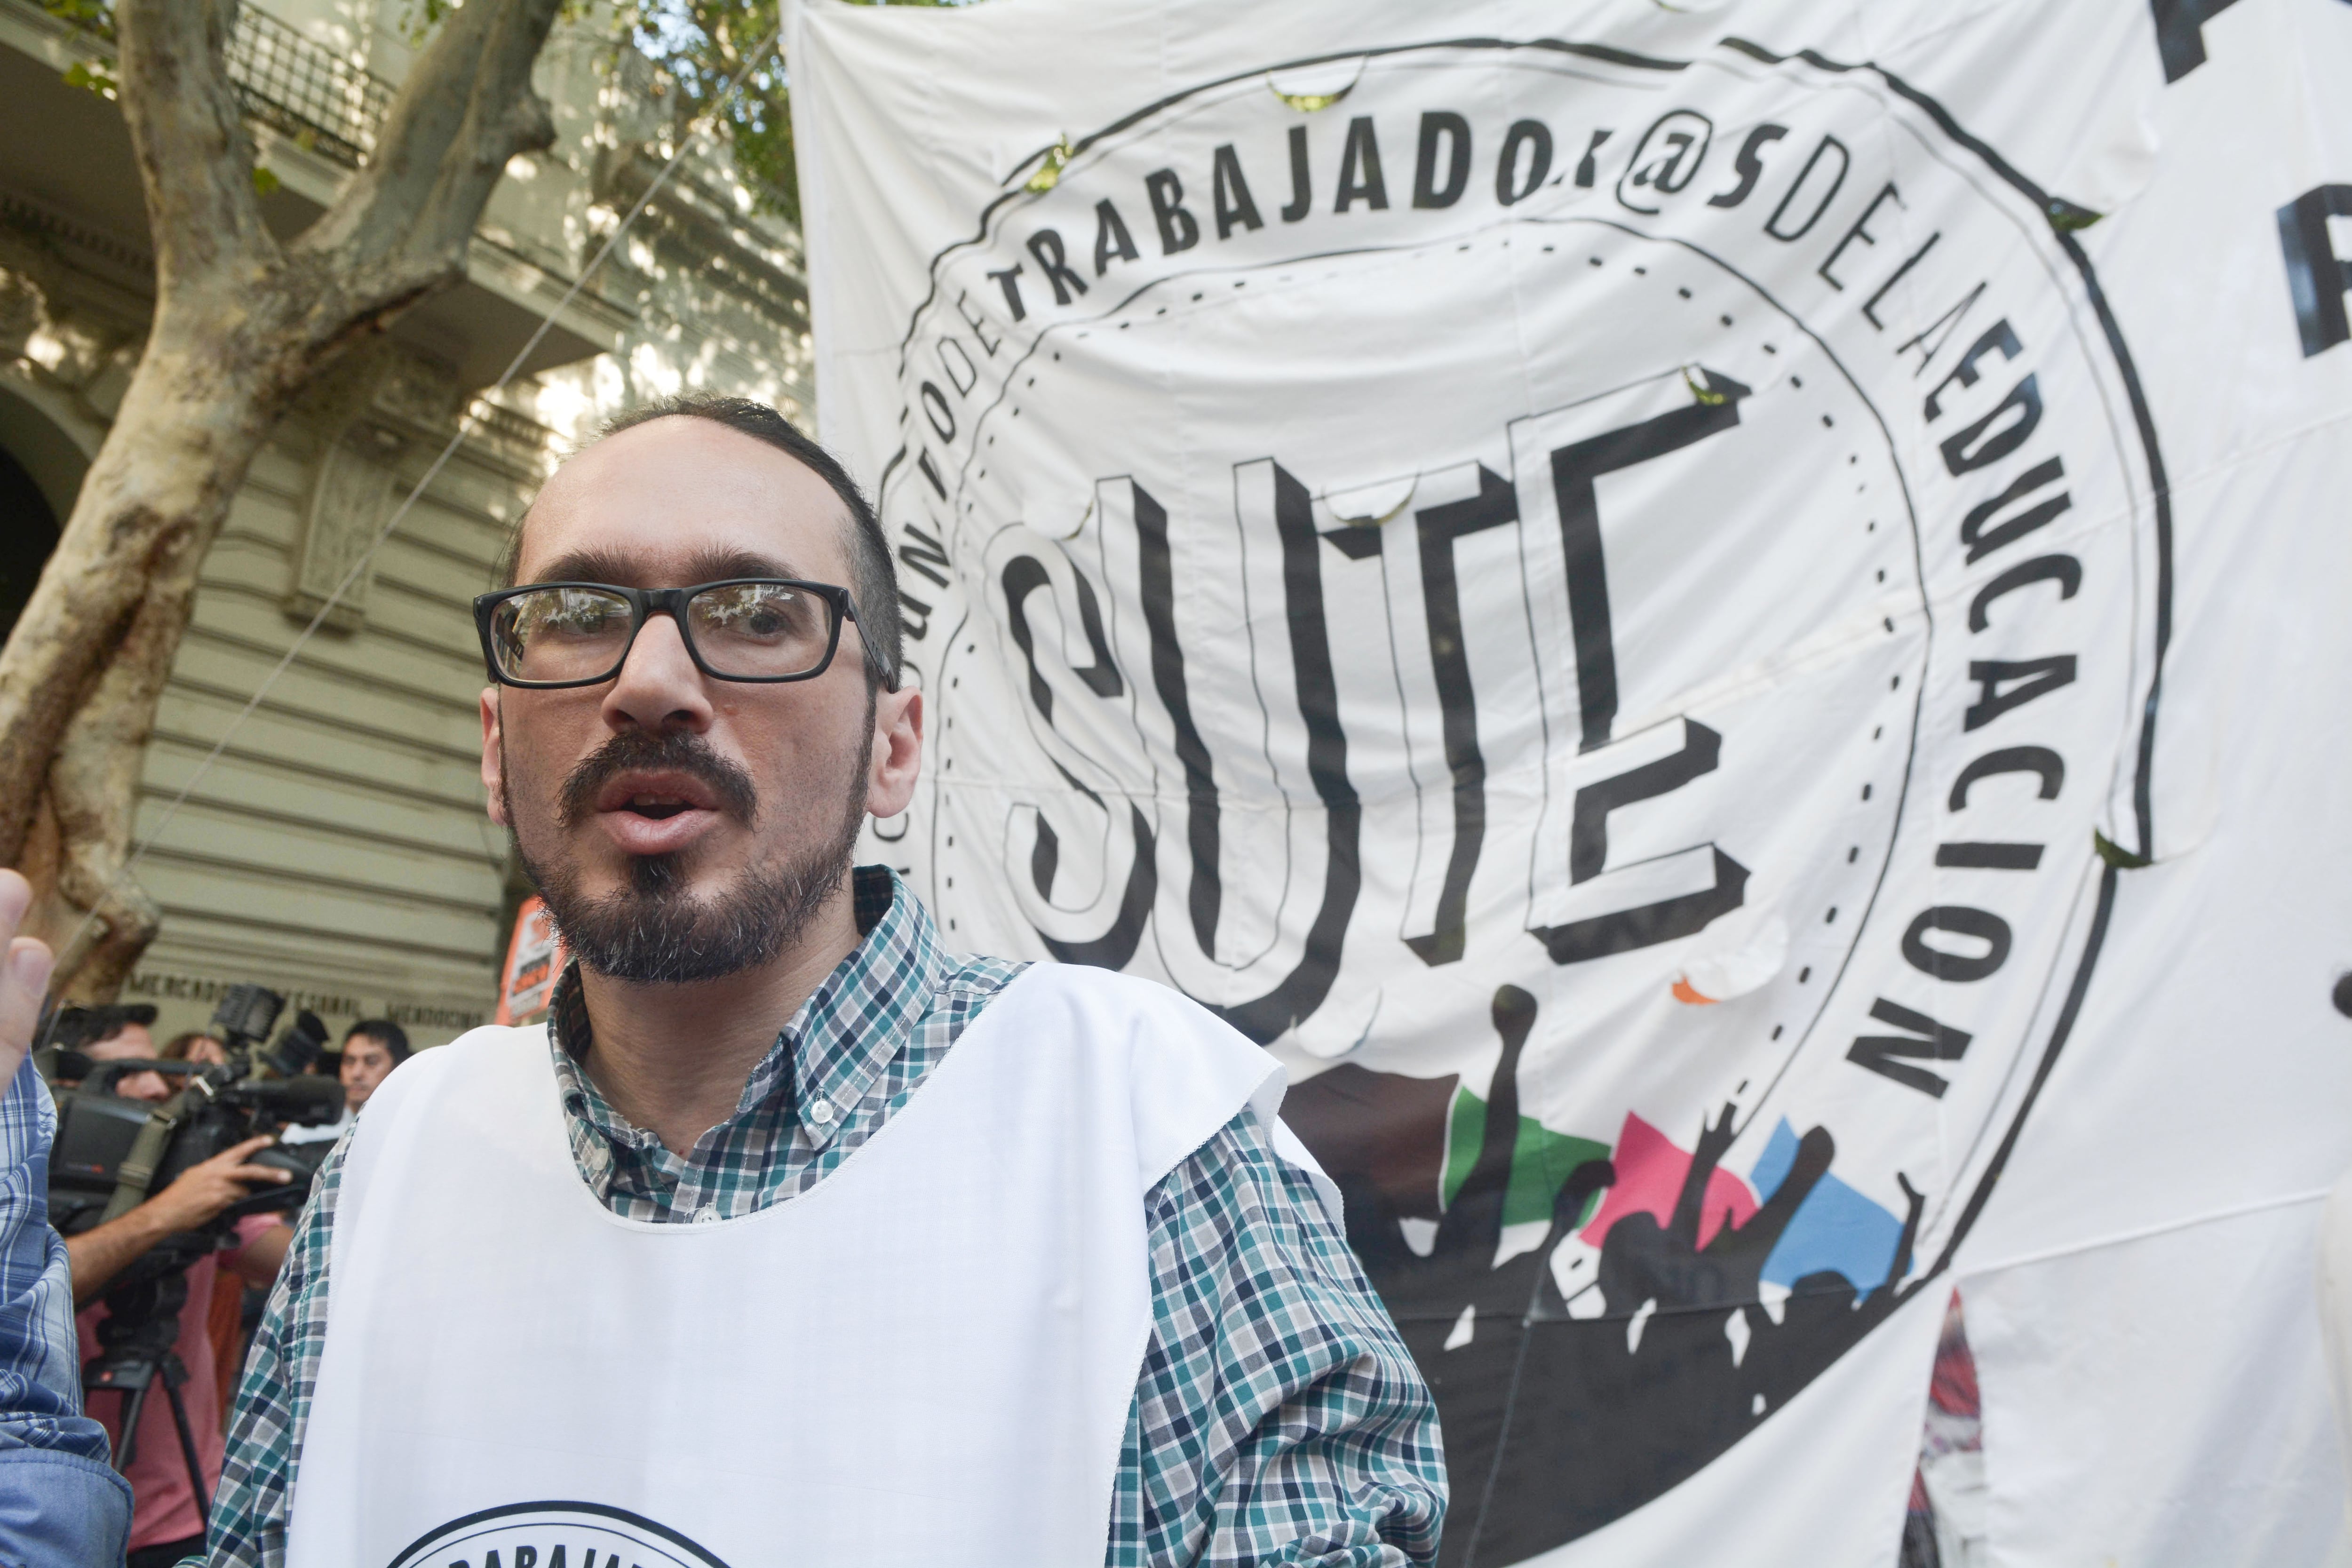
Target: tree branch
404, 224
188, 134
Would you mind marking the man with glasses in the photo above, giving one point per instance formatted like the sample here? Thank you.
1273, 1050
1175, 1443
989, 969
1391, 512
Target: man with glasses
792, 1237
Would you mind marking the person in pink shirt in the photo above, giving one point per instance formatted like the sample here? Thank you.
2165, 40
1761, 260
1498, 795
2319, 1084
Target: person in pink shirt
166, 1524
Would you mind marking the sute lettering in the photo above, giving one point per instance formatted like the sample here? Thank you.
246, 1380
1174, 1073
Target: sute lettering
1438, 528
1575, 470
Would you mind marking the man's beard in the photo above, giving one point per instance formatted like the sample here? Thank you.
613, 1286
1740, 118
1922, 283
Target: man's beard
655, 931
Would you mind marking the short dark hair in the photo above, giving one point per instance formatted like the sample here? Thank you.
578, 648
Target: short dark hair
874, 577
81, 1026
384, 1032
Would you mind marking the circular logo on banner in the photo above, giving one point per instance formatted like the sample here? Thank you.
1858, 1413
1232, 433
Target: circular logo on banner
554, 1535
1608, 611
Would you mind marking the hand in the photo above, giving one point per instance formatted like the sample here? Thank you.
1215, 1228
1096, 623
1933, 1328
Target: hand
23, 976
202, 1191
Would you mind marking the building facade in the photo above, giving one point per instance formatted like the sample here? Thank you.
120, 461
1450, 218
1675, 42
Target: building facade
336, 849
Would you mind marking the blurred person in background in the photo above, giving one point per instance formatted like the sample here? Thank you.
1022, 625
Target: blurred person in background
197, 1046
127, 1033
370, 1050
60, 1501
165, 1523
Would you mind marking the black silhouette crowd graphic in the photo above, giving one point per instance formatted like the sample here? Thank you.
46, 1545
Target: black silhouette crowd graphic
1557, 1423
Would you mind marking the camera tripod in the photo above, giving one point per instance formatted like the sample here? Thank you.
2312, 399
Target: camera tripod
135, 1354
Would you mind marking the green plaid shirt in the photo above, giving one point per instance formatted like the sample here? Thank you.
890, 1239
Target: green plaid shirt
1277, 1420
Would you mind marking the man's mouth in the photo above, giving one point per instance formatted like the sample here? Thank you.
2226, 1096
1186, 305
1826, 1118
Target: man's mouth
655, 796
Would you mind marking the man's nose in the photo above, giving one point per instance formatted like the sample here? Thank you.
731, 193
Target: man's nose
658, 687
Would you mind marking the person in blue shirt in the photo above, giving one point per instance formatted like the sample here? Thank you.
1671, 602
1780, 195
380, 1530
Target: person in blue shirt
61, 1504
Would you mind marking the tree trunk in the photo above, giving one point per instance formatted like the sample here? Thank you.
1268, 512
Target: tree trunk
242, 325
81, 674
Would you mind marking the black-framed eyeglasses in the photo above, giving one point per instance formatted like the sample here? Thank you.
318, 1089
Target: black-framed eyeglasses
549, 635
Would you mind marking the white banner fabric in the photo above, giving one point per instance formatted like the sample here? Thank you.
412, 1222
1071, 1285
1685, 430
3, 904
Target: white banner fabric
1724, 627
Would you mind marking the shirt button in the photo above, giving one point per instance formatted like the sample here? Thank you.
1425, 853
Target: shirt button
706, 1214
821, 1112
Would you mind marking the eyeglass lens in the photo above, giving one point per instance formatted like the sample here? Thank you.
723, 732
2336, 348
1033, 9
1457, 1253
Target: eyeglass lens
751, 630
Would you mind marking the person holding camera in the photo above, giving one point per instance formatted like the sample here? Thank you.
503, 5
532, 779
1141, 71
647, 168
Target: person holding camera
61, 1504
794, 1237
167, 1523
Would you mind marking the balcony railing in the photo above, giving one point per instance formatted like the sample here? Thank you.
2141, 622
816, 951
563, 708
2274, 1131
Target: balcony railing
304, 91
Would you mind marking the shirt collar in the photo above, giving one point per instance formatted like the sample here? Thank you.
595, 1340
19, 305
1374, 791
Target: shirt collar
827, 1055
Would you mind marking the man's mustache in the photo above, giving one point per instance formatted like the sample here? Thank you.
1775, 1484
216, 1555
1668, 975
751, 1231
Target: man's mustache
678, 750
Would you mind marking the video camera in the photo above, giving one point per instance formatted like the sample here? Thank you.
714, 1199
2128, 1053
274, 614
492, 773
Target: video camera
112, 1154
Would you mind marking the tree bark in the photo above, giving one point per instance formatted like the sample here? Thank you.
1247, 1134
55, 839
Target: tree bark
242, 326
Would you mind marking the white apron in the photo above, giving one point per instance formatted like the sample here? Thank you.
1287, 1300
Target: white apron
926, 1359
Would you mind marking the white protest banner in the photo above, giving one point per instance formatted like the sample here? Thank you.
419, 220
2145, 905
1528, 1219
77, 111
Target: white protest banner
1672, 607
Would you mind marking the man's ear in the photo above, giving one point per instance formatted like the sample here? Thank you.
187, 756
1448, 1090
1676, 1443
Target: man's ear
897, 754
494, 757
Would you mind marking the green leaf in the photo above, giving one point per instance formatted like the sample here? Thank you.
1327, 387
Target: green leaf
264, 180
696, 47
2115, 854
2066, 217
1049, 170
93, 76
